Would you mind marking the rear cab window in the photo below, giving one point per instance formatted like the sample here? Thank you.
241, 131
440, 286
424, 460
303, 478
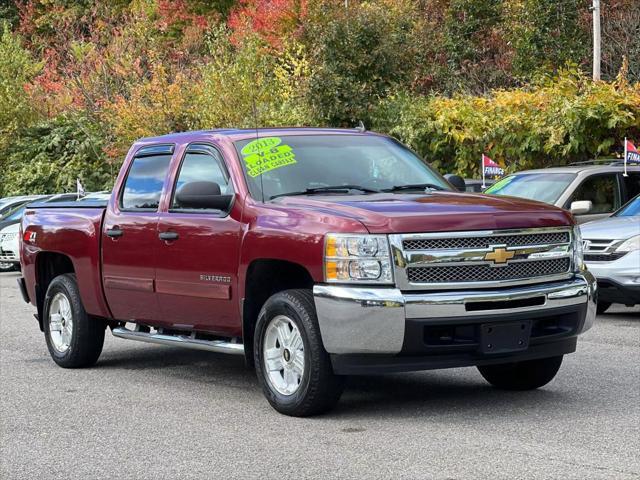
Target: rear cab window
631, 184
142, 188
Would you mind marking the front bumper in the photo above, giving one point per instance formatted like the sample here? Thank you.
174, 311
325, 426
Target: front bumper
379, 323
9, 256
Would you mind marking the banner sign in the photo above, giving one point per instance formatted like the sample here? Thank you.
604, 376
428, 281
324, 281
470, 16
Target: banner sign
490, 169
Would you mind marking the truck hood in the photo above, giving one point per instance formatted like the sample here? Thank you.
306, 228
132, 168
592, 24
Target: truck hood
433, 212
611, 228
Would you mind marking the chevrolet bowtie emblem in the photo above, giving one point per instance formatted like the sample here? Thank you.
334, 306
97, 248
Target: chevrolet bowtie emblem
499, 255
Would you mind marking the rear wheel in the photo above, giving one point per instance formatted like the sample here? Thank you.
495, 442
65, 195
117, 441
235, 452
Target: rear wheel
526, 375
603, 307
292, 365
73, 338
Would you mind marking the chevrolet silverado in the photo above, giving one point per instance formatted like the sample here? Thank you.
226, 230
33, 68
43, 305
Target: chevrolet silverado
313, 253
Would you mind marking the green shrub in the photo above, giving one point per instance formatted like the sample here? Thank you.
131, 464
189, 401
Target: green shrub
49, 157
17, 68
357, 56
237, 77
566, 119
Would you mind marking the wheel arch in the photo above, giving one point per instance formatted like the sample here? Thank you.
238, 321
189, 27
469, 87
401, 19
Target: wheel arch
266, 277
48, 266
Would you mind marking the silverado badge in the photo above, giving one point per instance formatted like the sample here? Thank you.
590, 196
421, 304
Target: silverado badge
499, 255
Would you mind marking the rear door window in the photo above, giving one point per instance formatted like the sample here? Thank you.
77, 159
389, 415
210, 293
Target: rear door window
631, 185
603, 192
143, 186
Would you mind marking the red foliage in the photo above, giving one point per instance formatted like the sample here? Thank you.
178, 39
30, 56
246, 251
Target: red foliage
176, 13
50, 80
271, 20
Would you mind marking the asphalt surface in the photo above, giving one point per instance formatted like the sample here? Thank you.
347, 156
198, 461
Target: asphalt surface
155, 412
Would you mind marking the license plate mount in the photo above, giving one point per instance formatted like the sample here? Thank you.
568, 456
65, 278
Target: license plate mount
498, 338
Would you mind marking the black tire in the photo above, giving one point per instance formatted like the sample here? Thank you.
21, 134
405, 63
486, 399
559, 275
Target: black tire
526, 375
603, 307
87, 334
319, 389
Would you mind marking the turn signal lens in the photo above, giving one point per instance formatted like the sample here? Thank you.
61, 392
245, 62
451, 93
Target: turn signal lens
578, 250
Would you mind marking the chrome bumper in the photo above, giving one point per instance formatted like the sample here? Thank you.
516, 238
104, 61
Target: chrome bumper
372, 320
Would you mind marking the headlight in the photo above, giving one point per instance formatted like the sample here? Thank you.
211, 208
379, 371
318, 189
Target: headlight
578, 250
630, 244
357, 259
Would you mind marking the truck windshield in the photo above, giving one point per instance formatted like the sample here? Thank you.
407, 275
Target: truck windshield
544, 187
308, 164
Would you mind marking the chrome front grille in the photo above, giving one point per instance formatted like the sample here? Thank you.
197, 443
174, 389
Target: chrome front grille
487, 273
481, 258
602, 250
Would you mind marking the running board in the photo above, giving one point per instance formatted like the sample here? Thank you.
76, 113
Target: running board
187, 341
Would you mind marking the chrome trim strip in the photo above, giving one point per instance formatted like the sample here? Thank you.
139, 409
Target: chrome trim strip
425, 258
219, 346
485, 233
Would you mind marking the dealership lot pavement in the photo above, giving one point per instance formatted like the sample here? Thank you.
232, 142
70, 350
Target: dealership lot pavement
148, 411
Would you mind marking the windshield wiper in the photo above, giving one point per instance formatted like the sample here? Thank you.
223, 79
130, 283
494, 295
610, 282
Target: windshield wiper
414, 186
327, 189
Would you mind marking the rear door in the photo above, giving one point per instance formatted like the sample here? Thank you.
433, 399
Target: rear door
196, 275
130, 239
631, 185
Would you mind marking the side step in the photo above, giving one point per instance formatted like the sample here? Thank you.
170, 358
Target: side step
188, 341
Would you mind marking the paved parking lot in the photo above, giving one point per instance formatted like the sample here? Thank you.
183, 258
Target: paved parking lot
149, 411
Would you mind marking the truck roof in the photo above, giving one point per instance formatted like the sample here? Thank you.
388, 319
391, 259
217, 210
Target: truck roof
242, 133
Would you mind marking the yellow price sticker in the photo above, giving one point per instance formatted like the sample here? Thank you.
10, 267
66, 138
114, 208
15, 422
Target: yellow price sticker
266, 154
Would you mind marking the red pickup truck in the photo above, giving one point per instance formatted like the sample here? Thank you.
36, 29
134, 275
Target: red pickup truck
315, 254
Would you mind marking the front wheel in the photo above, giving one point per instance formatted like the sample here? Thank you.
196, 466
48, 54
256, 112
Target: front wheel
292, 365
74, 339
526, 375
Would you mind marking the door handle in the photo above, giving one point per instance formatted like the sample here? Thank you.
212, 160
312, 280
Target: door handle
114, 232
168, 236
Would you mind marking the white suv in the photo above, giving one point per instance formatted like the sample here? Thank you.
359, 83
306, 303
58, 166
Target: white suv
9, 248
612, 254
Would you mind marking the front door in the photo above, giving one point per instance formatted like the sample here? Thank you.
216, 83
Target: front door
130, 238
603, 191
196, 275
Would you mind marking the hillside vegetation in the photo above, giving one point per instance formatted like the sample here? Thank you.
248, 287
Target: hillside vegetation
80, 80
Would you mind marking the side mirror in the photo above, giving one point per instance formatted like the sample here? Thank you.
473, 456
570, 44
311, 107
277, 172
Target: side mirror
202, 195
457, 181
581, 207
